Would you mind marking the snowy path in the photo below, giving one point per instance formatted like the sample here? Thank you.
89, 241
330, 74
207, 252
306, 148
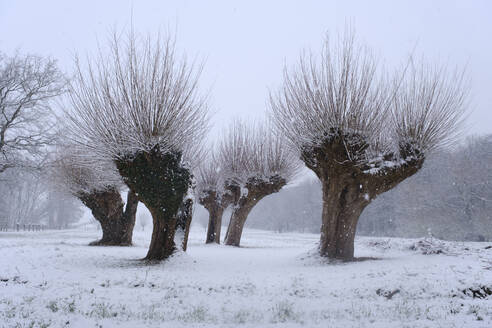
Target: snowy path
52, 279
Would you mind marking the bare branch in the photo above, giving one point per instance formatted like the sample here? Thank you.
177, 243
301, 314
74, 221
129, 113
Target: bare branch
429, 108
342, 91
27, 85
209, 175
135, 97
79, 173
381, 120
254, 151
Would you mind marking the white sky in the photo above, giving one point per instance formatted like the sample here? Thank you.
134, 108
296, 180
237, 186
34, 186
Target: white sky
246, 43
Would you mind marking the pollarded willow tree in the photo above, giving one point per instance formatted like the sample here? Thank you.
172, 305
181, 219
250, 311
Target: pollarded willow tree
97, 185
139, 106
213, 196
361, 132
255, 163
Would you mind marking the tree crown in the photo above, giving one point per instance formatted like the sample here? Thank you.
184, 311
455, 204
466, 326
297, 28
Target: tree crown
137, 97
381, 119
253, 151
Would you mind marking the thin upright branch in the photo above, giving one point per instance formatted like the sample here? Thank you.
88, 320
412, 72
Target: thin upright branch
135, 96
77, 172
381, 117
254, 151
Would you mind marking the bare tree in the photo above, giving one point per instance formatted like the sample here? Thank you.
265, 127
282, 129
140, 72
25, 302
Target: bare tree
98, 187
139, 107
27, 85
360, 132
213, 196
255, 164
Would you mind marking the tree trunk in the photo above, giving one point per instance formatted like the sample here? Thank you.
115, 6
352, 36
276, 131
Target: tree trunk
160, 181
236, 225
218, 226
128, 218
183, 223
350, 182
343, 203
214, 224
216, 204
258, 188
162, 243
107, 208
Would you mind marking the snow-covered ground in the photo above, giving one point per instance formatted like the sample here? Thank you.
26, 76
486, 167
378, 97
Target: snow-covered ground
53, 279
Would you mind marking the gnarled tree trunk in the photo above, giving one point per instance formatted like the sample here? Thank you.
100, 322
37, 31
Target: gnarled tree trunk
162, 242
349, 185
107, 208
215, 205
160, 182
167, 229
343, 202
243, 204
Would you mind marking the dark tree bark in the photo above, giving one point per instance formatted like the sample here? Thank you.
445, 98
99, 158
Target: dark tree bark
130, 214
183, 223
215, 204
107, 208
214, 224
236, 224
160, 182
243, 204
349, 186
162, 242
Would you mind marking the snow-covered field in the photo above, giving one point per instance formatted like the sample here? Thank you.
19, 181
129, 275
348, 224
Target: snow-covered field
52, 279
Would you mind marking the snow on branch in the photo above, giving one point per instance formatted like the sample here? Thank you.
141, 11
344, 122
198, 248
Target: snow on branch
136, 96
208, 175
254, 151
77, 172
341, 91
381, 118
429, 107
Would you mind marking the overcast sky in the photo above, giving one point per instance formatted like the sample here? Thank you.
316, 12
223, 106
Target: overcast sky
246, 43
